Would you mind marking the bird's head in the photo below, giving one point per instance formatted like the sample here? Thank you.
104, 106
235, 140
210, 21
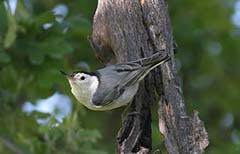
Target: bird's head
82, 82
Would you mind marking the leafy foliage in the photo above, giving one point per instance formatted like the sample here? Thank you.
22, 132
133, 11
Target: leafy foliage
34, 46
36, 42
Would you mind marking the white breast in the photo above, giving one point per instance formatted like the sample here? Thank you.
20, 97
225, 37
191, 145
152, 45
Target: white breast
84, 91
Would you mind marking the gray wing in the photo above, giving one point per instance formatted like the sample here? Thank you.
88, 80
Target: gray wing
114, 79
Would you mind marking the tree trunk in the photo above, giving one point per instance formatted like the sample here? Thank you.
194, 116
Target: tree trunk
125, 30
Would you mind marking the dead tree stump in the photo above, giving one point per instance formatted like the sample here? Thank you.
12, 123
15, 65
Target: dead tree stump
125, 30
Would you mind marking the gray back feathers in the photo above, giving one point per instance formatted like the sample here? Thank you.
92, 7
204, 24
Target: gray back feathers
116, 78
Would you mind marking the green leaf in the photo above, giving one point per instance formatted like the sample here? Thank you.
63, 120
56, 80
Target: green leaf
89, 135
46, 17
36, 57
3, 20
47, 78
4, 57
32, 50
12, 29
79, 25
56, 47
9, 76
22, 13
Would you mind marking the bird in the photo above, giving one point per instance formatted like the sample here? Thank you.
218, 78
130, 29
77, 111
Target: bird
112, 86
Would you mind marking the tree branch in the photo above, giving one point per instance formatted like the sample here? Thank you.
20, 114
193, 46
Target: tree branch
125, 30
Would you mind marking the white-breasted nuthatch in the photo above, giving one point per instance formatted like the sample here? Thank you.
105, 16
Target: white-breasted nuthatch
112, 86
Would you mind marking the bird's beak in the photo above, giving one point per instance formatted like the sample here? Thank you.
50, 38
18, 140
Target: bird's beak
68, 76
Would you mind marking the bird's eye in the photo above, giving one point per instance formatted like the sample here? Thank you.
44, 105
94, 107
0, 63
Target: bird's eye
82, 78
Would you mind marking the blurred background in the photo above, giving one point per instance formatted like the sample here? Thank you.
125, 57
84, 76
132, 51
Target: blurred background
39, 115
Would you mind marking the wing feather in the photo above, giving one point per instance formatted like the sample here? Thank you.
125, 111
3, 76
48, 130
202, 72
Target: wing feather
114, 80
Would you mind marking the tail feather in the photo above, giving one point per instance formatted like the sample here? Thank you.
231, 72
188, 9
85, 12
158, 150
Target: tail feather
155, 59
159, 61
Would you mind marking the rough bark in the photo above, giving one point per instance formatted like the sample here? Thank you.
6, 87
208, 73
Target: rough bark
125, 30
